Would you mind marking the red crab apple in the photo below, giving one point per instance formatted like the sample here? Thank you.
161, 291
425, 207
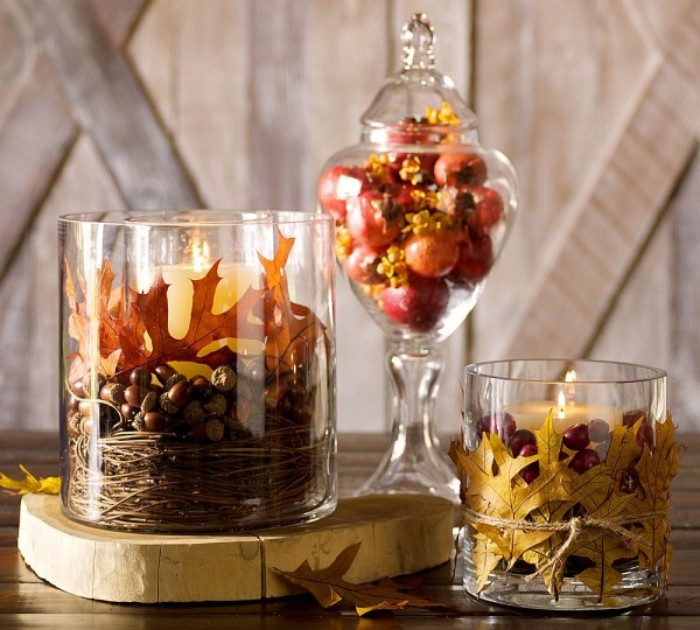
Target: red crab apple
419, 304
432, 255
488, 208
372, 219
361, 264
460, 168
409, 131
337, 184
475, 259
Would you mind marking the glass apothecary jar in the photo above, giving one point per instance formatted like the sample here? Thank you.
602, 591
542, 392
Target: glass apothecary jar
421, 208
198, 370
422, 212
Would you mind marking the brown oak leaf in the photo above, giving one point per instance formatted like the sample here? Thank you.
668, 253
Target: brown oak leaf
328, 587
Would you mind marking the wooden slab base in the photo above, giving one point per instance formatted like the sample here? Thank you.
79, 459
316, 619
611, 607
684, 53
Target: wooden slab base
399, 535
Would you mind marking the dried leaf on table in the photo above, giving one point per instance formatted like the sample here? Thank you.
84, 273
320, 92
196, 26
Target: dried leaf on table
30, 484
328, 587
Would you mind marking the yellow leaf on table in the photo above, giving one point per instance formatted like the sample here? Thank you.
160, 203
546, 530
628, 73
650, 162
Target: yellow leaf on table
30, 484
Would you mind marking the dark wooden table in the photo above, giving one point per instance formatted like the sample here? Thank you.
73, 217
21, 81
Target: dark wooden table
28, 602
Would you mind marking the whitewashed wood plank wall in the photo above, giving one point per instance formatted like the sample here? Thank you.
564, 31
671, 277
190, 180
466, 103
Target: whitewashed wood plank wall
237, 103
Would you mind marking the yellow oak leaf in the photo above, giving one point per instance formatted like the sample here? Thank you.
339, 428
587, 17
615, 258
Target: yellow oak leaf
30, 484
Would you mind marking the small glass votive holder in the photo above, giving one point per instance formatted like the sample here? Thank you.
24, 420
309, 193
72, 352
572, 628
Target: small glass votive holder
198, 370
565, 469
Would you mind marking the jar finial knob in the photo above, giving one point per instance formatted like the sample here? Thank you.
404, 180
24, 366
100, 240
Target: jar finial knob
418, 39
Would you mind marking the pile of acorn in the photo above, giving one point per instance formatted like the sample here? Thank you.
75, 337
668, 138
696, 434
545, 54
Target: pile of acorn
413, 222
237, 401
585, 445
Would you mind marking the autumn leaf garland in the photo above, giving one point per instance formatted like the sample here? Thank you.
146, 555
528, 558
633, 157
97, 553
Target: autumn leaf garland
563, 514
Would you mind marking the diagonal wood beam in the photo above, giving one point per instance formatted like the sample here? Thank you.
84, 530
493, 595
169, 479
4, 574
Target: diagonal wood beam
618, 207
110, 104
39, 129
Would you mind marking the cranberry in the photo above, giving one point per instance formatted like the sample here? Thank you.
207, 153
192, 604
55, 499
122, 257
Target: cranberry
598, 430
629, 481
527, 450
419, 304
460, 168
432, 255
576, 437
503, 424
488, 209
631, 417
373, 219
361, 265
584, 460
483, 425
520, 439
531, 471
475, 259
337, 184
645, 435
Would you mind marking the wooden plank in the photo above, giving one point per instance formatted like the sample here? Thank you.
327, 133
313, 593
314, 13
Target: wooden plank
85, 184
649, 154
118, 18
109, 103
196, 66
451, 21
685, 366
342, 80
279, 123
16, 55
36, 133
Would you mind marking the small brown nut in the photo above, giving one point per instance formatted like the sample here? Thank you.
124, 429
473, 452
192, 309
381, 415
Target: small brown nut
78, 389
75, 424
99, 381
217, 405
254, 367
140, 376
201, 385
113, 393
166, 405
149, 402
85, 408
164, 372
127, 411
134, 395
175, 378
215, 429
193, 411
154, 421
224, 378
137, 421
244, 390
180, 393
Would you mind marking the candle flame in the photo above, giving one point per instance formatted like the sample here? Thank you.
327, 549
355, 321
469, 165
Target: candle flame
570, 376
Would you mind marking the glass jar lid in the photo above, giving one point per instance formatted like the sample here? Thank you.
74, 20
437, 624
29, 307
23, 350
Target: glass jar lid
418, 94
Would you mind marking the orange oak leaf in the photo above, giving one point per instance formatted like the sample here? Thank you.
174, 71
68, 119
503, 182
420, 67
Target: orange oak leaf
328, 587
150, 316
291, 329
123, 329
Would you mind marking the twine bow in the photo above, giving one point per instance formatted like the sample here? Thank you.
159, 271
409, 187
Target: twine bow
574, 526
